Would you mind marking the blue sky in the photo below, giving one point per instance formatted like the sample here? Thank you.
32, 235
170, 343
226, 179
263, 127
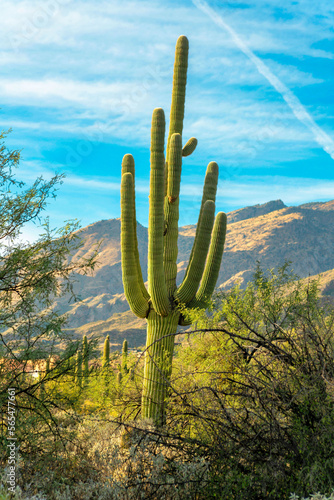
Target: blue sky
80, 80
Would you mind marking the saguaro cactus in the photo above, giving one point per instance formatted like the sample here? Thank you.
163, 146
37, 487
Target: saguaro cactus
106, 352
125, 357
160, 304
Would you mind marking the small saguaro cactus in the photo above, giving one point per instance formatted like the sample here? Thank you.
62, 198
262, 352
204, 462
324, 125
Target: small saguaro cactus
85, 356
132, 373
125, 357
106, 353
160, 304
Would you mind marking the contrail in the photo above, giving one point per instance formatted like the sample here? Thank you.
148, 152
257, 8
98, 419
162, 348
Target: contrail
292, 101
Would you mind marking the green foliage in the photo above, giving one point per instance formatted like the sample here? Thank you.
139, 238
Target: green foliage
78, 369
85, 358
32, 276
254, 388
250, 413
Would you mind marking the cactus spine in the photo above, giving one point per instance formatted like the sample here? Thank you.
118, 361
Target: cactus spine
160, 303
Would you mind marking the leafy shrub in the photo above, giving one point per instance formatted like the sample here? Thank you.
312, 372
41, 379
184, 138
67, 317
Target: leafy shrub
250, 412
254, 388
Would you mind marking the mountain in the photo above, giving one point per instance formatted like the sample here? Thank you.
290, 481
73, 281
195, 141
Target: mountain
271, 233
254, 211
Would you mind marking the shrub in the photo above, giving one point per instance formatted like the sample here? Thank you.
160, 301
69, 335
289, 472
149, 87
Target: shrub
254, 388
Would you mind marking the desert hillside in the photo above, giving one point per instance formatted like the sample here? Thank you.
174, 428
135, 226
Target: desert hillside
271, 233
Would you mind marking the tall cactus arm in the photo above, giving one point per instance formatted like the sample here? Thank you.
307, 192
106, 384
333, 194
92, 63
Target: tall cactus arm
178, 93
210, 182
189, 286
179, 88
131, 280
172, 212
156, 275
189, 147
209, 193
213, 262
128, 165
174, 175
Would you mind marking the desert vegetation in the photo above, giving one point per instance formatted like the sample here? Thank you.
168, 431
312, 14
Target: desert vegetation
249, 413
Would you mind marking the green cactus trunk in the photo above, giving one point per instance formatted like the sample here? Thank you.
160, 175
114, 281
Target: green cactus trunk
125, 357
106, 353
158, 364
160, 304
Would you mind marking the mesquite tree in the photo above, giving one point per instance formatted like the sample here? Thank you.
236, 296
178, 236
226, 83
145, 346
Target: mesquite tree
160, 304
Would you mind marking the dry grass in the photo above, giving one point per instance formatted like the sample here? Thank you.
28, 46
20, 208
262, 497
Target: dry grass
101, 464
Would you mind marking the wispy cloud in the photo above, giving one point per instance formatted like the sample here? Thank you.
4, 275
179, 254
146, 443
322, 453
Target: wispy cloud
85, 78
101, 184
249, 190
321, 137
112, 90
55, 92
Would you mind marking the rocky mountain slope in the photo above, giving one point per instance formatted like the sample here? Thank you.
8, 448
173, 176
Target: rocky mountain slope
271, 233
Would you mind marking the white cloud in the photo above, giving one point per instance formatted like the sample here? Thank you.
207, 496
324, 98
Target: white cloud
249, 190
321, 137
54, 92
94, 71
83, 183
109, 64
229, 128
